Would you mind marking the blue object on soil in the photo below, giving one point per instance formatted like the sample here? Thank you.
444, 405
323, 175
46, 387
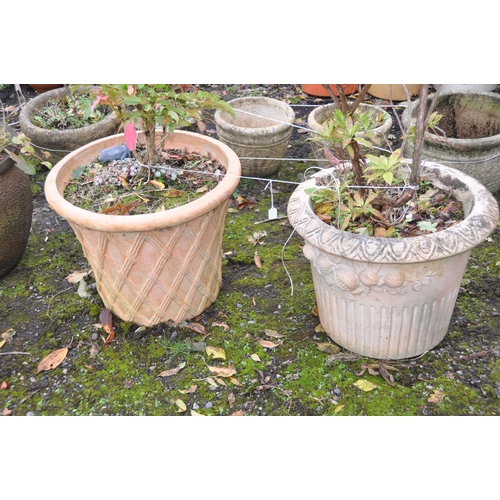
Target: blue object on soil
114, 153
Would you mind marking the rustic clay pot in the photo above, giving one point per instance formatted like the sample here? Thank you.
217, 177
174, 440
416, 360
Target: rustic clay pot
392, 298
153, 268
61, 142
393, 91
257, 140
318, 90
16, 211
320, 114
471, 121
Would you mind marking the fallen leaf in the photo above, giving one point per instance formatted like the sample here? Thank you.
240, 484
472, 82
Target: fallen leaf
328, 347
172, 371
77, 276
223, 325
220, 381
128, 384
173, 193
3, 386
365, 385
83, 290
274, 333
94, 350
203, 189
257, 260
181, 405
215, 352
211, 381
235, 381
255, 357
6, 412
238, 413
221, 371
436, 397
385, 374
231, 399
122, 208
196, 414
7, 336
191, 390
196, 327
157, 184
52, 360
106, 319
267, 344
339, 407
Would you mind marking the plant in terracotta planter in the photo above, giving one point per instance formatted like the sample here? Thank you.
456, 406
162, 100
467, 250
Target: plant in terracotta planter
160, 266
386, 276
59, 120
17, 161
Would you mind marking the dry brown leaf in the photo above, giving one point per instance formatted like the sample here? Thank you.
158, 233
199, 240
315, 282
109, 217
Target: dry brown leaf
6, 412
203, 189
94, 350
255, 357
257, 260
220, 381
436, 397
77, 276
52, 360
3, 386
221, 371
172, 371
181, 405
274, 333
231, 399
196, 327
157, 184
211, 381
7, 336
267, 344
223, 325
235, 381
191, 390
385, 374
128, 384
238, 413
106, 319
328, 347
173, 193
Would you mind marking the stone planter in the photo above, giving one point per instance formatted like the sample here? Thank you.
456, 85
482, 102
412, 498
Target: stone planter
382, 126
257, 140
61, 142
152, 268
16, 211
392, 298
471, 121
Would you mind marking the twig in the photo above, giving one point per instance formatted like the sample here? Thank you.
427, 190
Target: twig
14, 352
58, 293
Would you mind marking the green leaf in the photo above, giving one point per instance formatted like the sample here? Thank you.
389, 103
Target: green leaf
425, 225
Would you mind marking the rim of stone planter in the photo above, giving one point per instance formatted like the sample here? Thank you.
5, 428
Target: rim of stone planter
60, 142
481, 219
320, 114
477, 157
59, 176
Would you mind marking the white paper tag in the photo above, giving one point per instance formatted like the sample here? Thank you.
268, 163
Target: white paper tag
273, 213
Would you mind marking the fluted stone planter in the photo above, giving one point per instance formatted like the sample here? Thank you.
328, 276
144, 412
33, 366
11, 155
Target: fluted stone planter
382, 126
259, 137
471, 122
392, 298
16, 212
61, 142
152, 268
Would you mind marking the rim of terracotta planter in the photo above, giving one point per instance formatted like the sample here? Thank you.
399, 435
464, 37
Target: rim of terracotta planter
226, 121
58, 178
316, 89
479, 205
409, 115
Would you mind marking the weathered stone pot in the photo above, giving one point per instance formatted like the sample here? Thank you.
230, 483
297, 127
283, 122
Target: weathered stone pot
257, 140
392, 298
152, 268
16, 211
471, 121
61, 142
382, 126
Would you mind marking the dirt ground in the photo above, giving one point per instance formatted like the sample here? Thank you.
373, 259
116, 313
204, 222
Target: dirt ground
302, 373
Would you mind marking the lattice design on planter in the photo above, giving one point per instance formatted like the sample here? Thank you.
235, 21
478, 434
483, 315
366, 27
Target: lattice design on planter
169, 274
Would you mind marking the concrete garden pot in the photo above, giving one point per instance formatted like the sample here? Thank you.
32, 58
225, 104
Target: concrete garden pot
61, 142
16, 212
152, 268
257, 140
382, 126
471, 121
392, 298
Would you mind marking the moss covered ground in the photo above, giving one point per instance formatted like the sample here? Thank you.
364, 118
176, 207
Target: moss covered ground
282, 362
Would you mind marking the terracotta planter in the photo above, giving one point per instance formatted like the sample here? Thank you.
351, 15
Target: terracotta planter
320, 114
16, 211
157, 267
392, 298
44, 87
318, 90
257, 139
60, 142
393, 91
471, 121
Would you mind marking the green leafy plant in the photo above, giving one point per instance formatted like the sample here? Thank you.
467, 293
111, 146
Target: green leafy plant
377, 192
146, 107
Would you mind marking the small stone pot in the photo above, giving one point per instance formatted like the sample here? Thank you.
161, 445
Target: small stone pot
61, 142
258, 137
382, 126
471, 122
16, 211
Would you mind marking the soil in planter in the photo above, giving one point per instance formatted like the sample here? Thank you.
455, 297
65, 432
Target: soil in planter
124, 187
459, 123
69, 113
